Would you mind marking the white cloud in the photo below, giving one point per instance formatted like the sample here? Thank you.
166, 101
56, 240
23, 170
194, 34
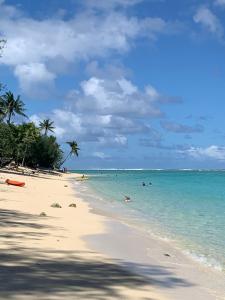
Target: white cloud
112, 70
116, 97
213, 152
35, 119
152, 92
181, 128
207, 19
105, 111
8, 10
59, 131
85, 36
101, 155
127, 87
116, 141
109, 4
220, 2
30, 76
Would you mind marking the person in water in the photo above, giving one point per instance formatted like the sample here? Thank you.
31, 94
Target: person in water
127, 199
143, 184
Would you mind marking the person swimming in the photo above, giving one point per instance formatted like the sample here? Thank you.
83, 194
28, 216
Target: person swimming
127, 199
143, 184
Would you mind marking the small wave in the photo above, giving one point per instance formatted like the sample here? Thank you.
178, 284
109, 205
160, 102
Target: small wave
209, 262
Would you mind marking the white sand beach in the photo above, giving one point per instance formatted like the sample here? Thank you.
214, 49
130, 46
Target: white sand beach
72, 253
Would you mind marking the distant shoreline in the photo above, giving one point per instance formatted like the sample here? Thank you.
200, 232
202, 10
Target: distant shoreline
112, 169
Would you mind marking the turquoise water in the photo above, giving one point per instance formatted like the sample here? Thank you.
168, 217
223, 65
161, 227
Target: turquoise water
187, 207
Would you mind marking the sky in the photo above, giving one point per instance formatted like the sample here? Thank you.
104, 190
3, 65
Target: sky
137, 83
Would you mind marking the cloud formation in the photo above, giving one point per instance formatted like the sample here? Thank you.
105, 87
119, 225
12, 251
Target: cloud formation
180, 128
35, 46
113, 97
107, 111
109, 4
209, 21
213, 152
30, 76
220, 2
101, 155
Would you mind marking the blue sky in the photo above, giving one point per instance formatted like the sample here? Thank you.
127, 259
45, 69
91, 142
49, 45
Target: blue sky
138, 84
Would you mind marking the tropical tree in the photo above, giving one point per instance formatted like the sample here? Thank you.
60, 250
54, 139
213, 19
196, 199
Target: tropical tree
12, 106
45, 153
2, 110
7, 144
73, 151
46, 125
2, 114
27, 135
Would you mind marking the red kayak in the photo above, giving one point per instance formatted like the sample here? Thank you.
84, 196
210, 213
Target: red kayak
16, 183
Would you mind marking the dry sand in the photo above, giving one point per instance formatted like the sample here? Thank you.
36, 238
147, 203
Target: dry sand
73, 253
46, 257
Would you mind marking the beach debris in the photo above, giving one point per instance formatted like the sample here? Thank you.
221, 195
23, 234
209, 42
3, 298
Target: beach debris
65, 185
127, 199
43, 214
56, 205
72, 205
166, 254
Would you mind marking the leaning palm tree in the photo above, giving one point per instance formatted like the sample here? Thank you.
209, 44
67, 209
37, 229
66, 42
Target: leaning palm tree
46, 125
73, 151
12, 106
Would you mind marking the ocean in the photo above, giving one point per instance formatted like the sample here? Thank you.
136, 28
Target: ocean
186, 207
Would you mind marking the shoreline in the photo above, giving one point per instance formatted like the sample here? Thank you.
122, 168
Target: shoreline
74, 253
46, 257
118, 212
206, 281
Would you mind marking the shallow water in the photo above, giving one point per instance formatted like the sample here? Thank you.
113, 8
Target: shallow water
187, 207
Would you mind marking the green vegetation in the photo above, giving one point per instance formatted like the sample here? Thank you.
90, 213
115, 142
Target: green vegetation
11, 106
73, 151
46, 125
24, 143
27, 144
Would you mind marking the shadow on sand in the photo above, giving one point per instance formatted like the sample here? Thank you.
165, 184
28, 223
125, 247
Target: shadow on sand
39, 274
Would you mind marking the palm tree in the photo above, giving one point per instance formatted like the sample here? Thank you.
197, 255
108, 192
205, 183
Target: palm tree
46, 125
12, 106
73, 151
27, 134
2, 110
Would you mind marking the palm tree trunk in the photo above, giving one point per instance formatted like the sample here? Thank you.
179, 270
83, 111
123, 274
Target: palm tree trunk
65, 159
9, 118
25, 152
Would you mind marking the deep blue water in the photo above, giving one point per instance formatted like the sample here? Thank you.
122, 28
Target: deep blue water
187, 207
